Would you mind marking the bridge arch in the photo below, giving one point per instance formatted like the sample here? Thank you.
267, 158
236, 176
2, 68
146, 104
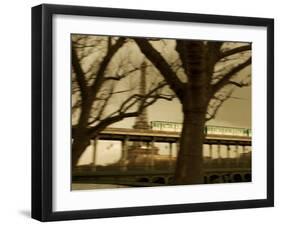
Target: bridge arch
237, 177
224, 177
214, 178
143, 180
159, 180
247, 177
170, 180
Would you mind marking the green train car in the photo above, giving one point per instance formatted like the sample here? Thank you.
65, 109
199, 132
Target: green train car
210, 129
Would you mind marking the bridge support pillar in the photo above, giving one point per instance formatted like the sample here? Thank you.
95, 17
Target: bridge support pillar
124, 154
237, 155
170, 155
94, 144
244, 149
219, 153
242, 161
178, 146
228, 155
152, 163
211, 152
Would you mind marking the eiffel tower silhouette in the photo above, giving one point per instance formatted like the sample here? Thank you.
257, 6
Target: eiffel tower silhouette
142, 120
140, 153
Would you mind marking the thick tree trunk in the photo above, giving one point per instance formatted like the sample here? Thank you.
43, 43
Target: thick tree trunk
79, 144
189, 167
81, 138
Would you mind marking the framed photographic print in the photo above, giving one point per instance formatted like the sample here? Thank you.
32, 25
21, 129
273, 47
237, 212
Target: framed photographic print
146, 112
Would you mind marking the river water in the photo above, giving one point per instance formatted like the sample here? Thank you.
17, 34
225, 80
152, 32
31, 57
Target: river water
82, 186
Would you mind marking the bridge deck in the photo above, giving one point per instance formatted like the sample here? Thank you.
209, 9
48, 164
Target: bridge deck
165, 136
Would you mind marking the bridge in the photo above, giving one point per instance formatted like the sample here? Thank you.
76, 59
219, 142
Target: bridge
220, 169
145, 178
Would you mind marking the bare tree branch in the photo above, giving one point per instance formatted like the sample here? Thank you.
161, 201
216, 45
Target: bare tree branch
104, 103
108, 121
217, 103
239, 84
118, 77
97, 83
235, 51
79, 75
161, 64
225, 79
136, 98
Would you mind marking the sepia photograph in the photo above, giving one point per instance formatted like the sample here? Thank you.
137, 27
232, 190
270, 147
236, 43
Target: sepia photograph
159, 112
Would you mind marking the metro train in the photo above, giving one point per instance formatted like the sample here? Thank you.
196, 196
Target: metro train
209, 129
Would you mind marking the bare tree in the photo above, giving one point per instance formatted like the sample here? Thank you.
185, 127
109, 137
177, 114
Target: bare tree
211, 70
98, 66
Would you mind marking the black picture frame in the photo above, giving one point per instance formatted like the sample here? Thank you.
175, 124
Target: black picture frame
42, 107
